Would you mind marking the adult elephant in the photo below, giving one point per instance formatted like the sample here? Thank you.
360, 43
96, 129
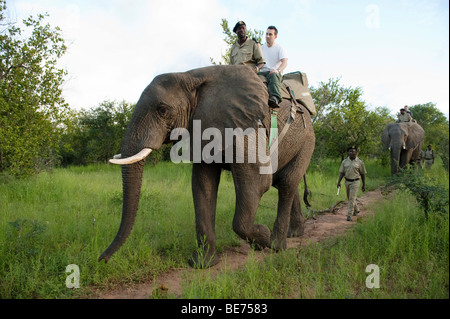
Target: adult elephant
405, 142
221, 97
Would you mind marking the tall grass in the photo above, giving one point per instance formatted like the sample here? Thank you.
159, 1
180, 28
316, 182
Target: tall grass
69, 216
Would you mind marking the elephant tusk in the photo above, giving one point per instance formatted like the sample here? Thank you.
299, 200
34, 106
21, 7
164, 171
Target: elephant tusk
133, 159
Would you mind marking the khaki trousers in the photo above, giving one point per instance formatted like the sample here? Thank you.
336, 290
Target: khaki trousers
352, 190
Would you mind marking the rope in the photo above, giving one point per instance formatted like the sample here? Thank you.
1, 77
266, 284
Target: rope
273, 130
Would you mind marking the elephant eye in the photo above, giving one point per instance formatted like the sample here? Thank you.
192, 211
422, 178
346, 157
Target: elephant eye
162, 109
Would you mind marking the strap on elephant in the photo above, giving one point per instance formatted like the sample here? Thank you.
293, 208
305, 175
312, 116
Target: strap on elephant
295, 107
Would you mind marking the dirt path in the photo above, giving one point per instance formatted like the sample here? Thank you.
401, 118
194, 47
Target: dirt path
326, 225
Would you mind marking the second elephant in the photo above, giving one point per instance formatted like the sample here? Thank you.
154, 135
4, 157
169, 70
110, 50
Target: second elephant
405, 142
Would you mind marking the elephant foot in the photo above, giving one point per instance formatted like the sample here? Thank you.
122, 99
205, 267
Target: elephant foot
202, 260
277, 244
260, 238
295, 231
257, 246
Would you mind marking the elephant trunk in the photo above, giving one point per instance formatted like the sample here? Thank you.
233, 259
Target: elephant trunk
395, 159
131, 183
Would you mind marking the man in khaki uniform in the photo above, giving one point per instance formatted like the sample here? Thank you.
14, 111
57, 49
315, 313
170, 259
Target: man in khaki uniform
246, 51
403, 116
429, 157
408, 111
352, 169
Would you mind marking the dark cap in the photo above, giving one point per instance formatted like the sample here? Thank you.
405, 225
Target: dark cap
402, 109
238, 25
351, 148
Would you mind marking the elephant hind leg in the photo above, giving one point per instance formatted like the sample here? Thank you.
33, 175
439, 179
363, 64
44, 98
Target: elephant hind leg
289, 220
297, 221
282, 222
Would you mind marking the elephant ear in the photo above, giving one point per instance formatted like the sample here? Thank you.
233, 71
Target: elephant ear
230, 96
416, 135
385, 136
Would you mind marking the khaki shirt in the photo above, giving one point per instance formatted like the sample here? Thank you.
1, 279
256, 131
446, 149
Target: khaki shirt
404, 117
249, 53
429, 155
352, 169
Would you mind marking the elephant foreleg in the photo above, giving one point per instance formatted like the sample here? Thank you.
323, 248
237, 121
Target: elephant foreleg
205, 184
249, 190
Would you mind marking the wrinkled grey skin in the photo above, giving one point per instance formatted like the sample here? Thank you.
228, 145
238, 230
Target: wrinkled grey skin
222, 97
405, 141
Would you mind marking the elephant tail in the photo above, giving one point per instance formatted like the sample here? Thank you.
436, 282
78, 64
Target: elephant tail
306, 192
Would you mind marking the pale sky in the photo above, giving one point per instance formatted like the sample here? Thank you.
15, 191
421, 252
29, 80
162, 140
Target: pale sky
397, 51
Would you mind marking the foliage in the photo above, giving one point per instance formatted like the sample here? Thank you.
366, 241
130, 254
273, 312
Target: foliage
443, 151
436, 128
31, 102
24, 234
231, 38
429, 193
342, 120
95, 135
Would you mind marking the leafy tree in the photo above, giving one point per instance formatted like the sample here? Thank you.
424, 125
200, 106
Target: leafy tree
436, 128
428, 114
31, 102
231, 38
73, 140
343, 120
325, 97
95, 135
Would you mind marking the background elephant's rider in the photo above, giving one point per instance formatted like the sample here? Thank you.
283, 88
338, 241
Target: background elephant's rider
246, 51
403, 116
352, 169
276, 62
407, 110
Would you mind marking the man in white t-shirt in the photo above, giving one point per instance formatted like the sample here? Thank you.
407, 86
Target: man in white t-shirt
276, 61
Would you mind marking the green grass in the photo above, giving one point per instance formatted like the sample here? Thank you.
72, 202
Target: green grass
69, 216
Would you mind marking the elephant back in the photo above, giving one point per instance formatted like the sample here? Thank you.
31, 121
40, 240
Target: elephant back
231, 96
416, 136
